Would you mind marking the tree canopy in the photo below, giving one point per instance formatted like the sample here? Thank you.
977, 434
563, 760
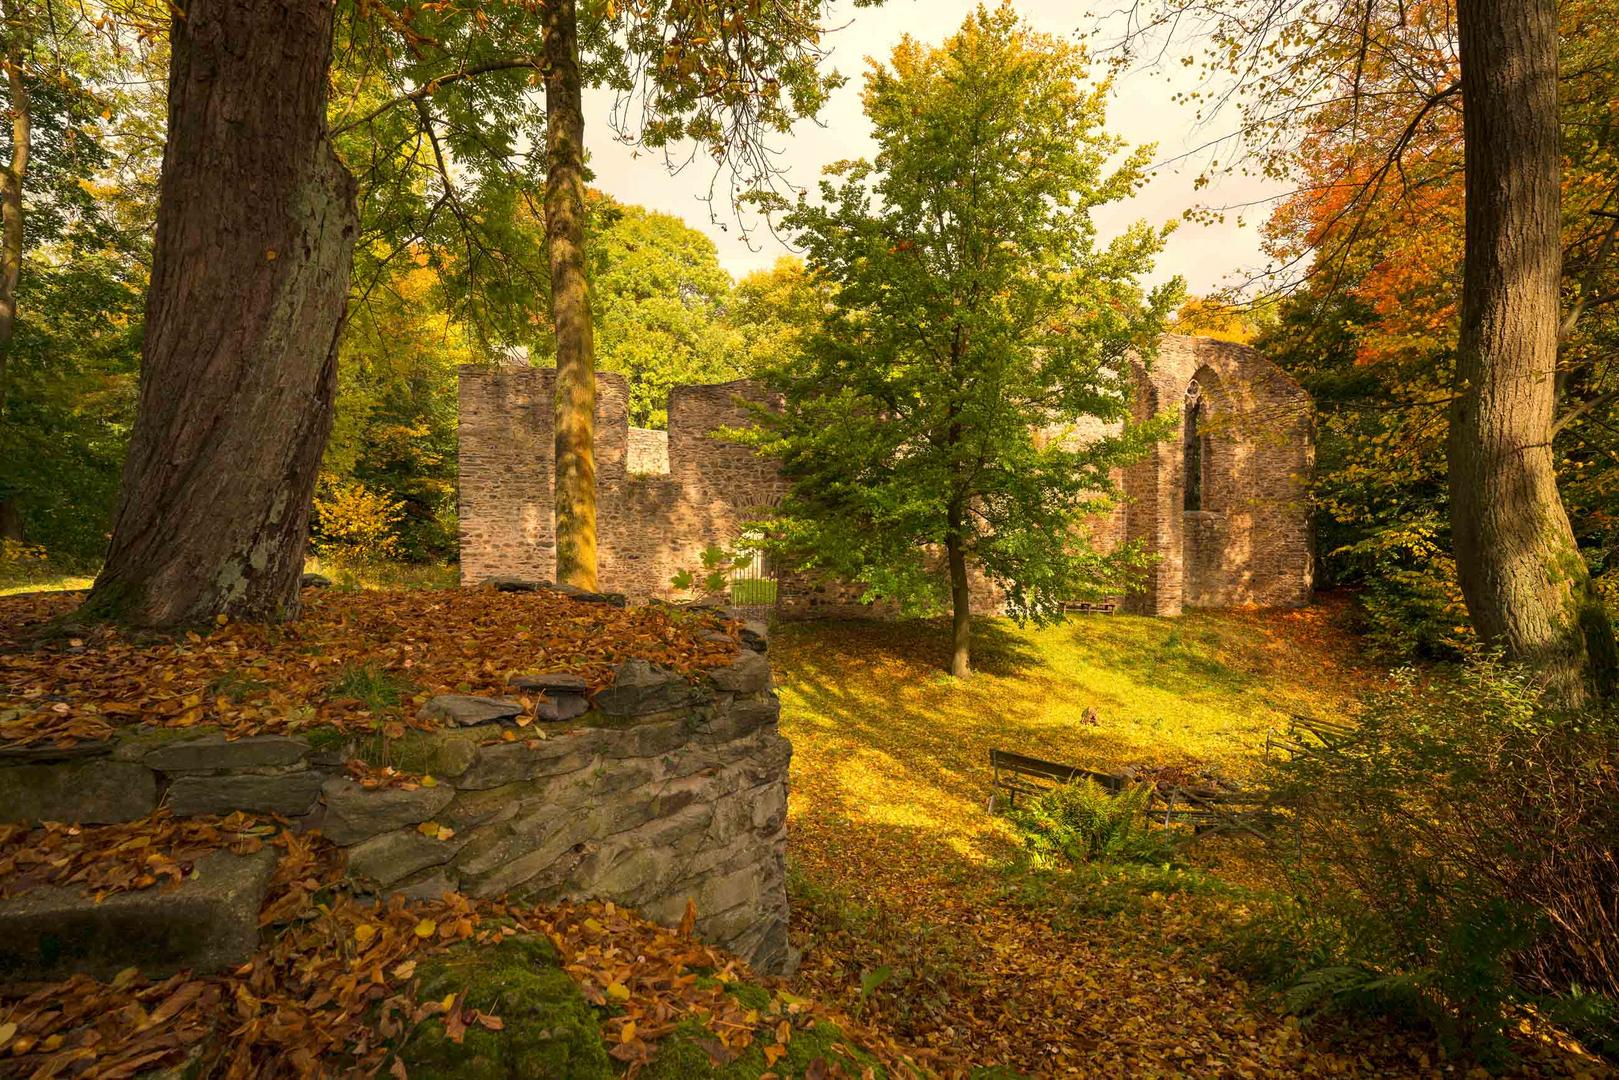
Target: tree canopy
974, 321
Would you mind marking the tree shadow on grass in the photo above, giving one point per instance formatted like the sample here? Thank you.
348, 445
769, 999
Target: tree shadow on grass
885, 736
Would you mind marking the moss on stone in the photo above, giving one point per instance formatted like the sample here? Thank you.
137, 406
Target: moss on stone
135, 743
681, 1055
436, 753
549, 1029
325, 737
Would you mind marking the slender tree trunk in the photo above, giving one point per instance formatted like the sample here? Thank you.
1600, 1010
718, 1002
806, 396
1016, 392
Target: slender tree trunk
11, 226
570, 300
961, 602
1525, 583
255, 230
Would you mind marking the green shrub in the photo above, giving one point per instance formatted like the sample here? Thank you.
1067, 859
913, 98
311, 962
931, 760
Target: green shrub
1451, 860
1417, 613
1083, 822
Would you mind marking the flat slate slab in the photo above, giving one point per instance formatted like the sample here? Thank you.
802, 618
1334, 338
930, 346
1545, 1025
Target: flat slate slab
468, 710
209, 923
93, 792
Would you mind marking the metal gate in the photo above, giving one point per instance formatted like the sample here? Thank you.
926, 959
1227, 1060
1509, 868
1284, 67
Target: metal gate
753, 584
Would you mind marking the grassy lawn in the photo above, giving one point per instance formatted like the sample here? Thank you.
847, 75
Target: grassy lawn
885, 736
905, 905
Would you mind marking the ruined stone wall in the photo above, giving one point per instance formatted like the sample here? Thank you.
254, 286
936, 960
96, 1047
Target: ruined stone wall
664, 497
664, 791
1250, 542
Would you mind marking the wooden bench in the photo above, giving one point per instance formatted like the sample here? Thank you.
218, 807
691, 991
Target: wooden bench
1206, 810
1019, 774
1091, 607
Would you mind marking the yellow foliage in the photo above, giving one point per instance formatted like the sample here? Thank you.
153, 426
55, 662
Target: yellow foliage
352, 521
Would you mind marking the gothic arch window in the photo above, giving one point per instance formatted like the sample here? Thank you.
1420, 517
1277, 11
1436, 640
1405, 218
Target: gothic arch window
1194, 448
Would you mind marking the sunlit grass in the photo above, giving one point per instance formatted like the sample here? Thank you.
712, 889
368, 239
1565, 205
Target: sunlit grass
13, 585
384, 575
884, 737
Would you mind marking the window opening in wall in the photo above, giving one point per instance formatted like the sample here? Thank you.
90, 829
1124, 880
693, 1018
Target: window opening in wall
1194, 448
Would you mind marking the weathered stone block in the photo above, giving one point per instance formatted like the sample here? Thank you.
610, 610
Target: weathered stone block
640, 688
467, 710
475, 808
749, 673
209, 923
383, 860
89, 792
441, 754
350, 813
516, 584
506, 763
561, 696
755, 635
23, 755
734, 718
218, 752
292, 794
587, 596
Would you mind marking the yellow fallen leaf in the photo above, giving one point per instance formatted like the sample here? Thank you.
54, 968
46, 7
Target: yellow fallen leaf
628, 1034
7, 1031
618, 992
426, 928
363, 934
428, 781
428, 828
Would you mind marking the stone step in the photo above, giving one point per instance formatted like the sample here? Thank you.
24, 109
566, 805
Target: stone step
209, 923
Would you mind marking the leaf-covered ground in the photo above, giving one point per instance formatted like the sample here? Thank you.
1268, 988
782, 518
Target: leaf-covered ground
904, 904
345, 986
356, 661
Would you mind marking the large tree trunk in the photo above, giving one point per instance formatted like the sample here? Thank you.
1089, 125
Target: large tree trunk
961, 604
1525, 583
255, 229
11, 224
570, 300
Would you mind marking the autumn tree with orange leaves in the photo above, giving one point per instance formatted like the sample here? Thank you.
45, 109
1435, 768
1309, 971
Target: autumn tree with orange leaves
1428, 138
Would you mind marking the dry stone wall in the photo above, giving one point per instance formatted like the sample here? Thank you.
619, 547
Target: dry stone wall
665, 496
659, 793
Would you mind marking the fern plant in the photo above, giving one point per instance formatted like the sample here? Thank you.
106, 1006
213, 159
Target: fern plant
1083, 822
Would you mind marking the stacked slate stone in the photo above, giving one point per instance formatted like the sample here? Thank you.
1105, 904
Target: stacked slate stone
659, 791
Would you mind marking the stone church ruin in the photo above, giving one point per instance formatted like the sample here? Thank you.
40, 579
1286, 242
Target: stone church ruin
1222, 504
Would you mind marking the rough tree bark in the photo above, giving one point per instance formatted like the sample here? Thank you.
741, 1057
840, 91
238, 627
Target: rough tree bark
1524, 581
255, 230
570, 300
961, 601
11, 225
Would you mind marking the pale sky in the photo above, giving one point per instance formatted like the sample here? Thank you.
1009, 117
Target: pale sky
1142, 111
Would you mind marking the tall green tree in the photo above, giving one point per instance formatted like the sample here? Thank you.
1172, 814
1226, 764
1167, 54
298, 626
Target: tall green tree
49, 145
662, 296
975, 321
245, 308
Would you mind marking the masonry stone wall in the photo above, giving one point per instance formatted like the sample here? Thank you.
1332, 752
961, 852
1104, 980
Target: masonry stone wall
1250, 542
663, 792
664, 497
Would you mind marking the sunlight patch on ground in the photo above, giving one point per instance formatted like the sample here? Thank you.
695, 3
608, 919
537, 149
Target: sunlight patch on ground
62, 583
